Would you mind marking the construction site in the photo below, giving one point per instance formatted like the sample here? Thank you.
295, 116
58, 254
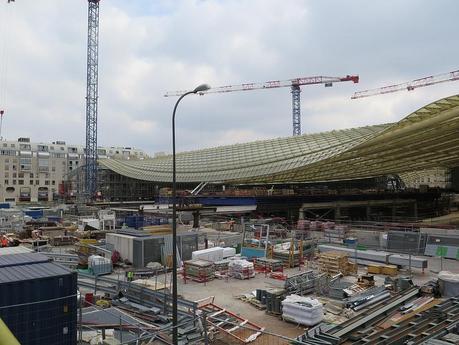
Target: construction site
343, 236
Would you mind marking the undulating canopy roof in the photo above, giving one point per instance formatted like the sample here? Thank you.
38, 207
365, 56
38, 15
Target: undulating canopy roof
427, 138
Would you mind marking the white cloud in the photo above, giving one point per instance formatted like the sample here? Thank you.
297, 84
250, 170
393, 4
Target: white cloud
148, 48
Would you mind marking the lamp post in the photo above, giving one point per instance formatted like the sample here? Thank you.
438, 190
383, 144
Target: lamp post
200, 88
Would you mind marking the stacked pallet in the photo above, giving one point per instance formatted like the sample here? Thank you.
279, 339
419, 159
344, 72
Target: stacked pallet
268, 265
335, 263
199, 270
241, 269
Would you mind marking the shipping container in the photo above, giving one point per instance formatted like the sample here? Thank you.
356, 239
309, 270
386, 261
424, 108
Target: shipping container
35, 214
145, 248
38, 299
123, 244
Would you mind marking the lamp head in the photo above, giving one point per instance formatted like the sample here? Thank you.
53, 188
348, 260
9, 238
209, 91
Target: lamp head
201, 88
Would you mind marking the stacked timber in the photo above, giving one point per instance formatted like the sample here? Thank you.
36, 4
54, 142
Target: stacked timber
199, 270
389, 270
336, 262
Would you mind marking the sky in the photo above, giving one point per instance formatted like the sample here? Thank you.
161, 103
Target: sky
149, 47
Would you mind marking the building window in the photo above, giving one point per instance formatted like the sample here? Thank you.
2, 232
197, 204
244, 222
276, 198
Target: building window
21, 175
31, 182
31, 175
26, 164
14, 181
37, 182
24, 147
8, 153
7, 174
46, 183
53, 183
21, 182
14, 175
6, 182
43, 164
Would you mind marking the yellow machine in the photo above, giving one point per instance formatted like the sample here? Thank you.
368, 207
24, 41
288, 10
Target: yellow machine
6, 337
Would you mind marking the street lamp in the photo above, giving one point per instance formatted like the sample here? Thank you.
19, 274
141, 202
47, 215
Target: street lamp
200, 88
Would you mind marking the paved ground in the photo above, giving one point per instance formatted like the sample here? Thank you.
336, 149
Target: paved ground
225, 292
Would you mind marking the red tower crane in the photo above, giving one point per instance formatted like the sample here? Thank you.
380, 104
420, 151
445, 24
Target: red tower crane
409, 86
294, 84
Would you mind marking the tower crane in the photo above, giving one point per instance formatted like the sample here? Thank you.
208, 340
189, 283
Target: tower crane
409, 86
294, 84
92, 95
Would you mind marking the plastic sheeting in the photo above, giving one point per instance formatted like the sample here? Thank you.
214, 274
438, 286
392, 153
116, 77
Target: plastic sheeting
303, 310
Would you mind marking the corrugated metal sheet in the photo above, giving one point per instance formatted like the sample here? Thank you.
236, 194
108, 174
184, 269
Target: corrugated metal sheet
14, 250
31, 271
22, 259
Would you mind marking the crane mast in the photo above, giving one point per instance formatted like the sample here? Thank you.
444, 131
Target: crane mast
409, 86
92, 95
294, 84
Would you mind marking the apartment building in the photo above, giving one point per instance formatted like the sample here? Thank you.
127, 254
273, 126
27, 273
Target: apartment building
31, 172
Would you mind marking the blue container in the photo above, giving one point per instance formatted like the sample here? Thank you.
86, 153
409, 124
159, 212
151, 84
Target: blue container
135, 222
38, 300
251, 253
5, 205
35, 214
